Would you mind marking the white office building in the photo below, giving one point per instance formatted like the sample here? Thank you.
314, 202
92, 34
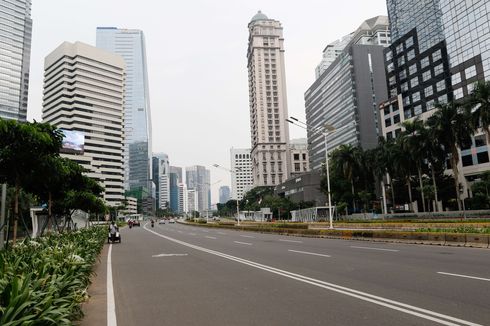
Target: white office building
84, 93
241, 179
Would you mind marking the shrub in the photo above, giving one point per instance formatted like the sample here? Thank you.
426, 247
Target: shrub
43, 281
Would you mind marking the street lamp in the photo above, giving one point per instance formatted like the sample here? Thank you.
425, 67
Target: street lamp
327, 130
237, 204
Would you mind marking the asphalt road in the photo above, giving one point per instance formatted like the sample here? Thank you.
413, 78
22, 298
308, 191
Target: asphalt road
176, 274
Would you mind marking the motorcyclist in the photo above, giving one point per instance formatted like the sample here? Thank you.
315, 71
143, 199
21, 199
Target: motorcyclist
152, 223
112, 231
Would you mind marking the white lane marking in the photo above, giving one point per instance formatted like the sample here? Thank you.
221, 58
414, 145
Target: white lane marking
371, 248
169, 255
295, 241
222, 233
111, 304
179, 231
465, 276
309, 253
391, 304
247, 236
245, 243
192, 233
204, 230
208, 237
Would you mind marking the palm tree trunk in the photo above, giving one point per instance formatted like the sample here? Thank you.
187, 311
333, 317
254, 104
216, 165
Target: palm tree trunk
50, 201
454, 162
435, 187
409, 184
16, 211
392, 192
353, 195
419, 170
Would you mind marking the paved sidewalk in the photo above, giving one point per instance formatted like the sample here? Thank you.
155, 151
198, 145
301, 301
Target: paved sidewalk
95, 309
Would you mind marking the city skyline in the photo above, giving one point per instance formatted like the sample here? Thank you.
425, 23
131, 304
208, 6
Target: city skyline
213, 70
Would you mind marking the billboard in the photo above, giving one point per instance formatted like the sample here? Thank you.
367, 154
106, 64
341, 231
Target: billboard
73, 142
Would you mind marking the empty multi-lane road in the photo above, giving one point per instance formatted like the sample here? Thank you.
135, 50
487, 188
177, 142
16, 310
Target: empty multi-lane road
176, 274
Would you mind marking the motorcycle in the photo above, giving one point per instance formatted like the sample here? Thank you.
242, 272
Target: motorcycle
152, 224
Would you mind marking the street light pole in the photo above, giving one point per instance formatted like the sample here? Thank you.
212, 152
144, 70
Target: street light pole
327, 130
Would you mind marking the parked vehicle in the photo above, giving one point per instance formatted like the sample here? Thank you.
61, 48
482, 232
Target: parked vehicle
162, 221
171, 220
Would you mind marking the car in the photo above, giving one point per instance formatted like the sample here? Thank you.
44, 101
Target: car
161, 221
171, 220
136, 223
216, 218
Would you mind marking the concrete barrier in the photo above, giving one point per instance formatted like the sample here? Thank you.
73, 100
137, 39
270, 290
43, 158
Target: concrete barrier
455, 239
477, 240
436, 238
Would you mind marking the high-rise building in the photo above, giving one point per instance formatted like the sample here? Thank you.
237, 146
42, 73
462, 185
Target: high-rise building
198, 177
183, 199
84, 94
298, 149
15, 37
130, 44
175, 180
440, 49
192, 201
347, 94
241, 179
268, 101
330, 53
160, 176
224, 194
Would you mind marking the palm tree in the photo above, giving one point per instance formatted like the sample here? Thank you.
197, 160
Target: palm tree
479, 102
402, 163
450, 126
412, 139
346, 160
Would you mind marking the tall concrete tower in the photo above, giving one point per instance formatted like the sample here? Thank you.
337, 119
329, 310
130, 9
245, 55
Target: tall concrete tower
268, 101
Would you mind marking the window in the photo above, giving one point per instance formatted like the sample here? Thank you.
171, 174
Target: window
415, 97
404, 87
296, 157
297, 167
480, 141
414, 82
406, 100
396, 118
417, 110
436, 55
392, 80
386, 110
401, 61
410, 55
482, 157
456, 78
428, 91
441, 85
442, 99
389, 55
408, 114
426, 75
458, 93
388, 122
470, 72
399, 48
424, 62
402, 74
438, 69
412, 69
409, 42
467, 160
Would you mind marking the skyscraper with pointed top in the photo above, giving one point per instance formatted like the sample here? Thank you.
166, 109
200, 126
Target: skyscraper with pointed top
268, 101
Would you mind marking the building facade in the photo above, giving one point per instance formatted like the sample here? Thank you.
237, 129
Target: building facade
160, 176
198, 178
15, 37
347, 94
84, 93
330, 53
242, 178
268, 101
192, 201
176, 193
300, 162
303, 188
439, 52
130, 44
224, 194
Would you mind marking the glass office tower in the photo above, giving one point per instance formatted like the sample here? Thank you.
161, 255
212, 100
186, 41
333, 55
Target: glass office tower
15, 52
130, 44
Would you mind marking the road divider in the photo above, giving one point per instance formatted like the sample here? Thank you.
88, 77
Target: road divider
426, 314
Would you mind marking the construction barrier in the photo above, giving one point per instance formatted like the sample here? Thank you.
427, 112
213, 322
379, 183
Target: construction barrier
477, 240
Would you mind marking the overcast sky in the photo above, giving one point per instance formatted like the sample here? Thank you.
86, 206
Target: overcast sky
197, 64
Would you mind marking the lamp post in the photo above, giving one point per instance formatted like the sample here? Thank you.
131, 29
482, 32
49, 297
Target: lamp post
326, 130
237, 203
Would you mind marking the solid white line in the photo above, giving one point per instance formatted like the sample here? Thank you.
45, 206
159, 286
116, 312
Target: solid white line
222, 233
204, 230
392, 304
192, 233
179, 231
245, 243
295, 241
111, 305
309, 253
466, 276
247, 236
210, 237
169, 255
370, 248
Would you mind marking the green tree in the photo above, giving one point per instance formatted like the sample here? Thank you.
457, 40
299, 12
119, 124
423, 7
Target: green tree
450, 125
479, 102
346, 162
23, 147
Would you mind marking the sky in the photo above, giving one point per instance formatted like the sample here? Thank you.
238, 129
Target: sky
197, 67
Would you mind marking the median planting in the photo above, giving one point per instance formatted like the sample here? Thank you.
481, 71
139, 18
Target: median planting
44, 281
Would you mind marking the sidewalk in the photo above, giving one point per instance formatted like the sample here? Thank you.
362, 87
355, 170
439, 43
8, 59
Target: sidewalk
95, 309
